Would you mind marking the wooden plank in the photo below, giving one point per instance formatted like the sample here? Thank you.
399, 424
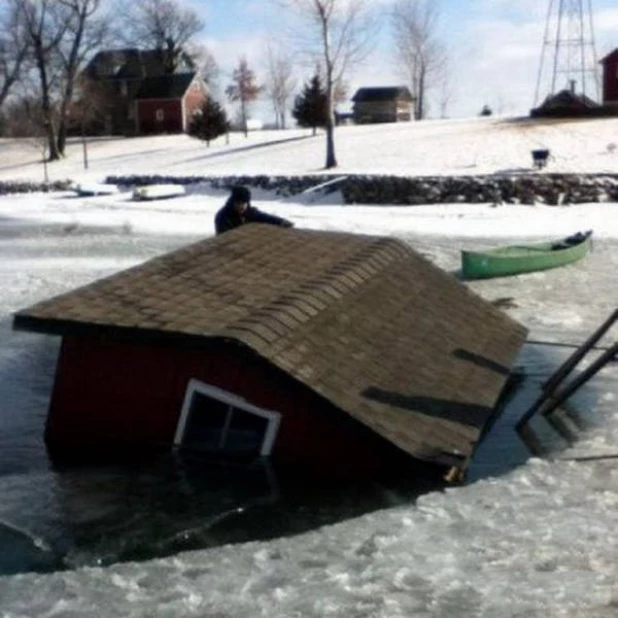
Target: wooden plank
574, 359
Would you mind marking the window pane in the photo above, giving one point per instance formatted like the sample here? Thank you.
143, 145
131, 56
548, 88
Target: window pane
205, 423
246, 433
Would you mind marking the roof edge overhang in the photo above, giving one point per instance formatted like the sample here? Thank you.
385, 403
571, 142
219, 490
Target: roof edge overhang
70, 328
166, 99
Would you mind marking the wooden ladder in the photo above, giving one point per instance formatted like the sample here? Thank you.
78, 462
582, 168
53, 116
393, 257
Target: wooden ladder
556, 390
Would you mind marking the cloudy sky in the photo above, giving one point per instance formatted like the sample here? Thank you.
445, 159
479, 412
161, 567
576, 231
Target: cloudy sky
494, 47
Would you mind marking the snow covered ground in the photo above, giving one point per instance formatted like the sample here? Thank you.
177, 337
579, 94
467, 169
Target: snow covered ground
535, 539
433, 147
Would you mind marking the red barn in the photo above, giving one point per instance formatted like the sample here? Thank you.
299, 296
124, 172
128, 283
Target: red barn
166, 103
610, 78
332, 353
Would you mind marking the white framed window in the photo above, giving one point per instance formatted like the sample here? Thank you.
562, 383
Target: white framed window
217, 422
159, 115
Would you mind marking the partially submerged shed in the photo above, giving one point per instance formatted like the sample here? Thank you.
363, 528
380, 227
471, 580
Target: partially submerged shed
335, 353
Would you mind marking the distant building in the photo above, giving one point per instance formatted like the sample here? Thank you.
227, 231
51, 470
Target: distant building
254, 124
610, 79
166, 104
388, 104
330, 353
344, 118
137, 91
567, 104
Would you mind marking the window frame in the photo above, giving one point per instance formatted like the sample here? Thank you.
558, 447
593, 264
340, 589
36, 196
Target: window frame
233, 402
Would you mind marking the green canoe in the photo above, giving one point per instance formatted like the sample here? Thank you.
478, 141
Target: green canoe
525, 258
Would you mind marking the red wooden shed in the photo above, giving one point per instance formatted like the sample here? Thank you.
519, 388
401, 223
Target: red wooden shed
333, 353
610, 78
166, 103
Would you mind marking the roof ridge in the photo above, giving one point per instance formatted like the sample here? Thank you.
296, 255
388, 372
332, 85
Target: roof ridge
308, 299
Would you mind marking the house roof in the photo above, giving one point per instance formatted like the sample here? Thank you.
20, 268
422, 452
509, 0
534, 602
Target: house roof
611, 57
132, 63
165, 86
364, 321
391, 93
567, 98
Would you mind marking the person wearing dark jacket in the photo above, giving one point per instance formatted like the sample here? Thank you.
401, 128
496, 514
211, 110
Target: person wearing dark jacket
238, 211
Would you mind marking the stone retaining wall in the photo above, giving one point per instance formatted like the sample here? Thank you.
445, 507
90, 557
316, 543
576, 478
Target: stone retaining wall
7, 187
553, 189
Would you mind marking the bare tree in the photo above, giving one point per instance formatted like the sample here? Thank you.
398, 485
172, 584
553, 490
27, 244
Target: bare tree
61, 34
339, 34
280, 82
45, 27
164, 25
83, 35
14, 46
421, 55
445, 92
243, 89
206, 64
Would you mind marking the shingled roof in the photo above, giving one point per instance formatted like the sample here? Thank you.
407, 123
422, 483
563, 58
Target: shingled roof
388, 93
364, 321
132, 63
172, 86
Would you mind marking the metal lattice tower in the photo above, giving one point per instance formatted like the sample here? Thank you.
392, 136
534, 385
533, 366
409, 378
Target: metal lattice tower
568, 58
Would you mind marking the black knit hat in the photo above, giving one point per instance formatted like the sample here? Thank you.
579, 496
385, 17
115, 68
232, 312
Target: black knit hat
241, 194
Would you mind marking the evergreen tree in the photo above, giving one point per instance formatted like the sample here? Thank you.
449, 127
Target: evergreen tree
311, 106
209, 121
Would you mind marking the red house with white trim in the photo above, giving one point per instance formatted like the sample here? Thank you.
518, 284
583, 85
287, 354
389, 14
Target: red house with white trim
166, 103
141, 90
334, 354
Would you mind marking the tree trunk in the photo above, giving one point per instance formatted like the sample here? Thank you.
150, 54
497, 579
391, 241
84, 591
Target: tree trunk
61, 140
52, 145
331, 160
46, 105
243, 113
421, 93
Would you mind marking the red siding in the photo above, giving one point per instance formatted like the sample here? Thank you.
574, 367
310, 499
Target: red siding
111, 398
147, 121
610, 79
